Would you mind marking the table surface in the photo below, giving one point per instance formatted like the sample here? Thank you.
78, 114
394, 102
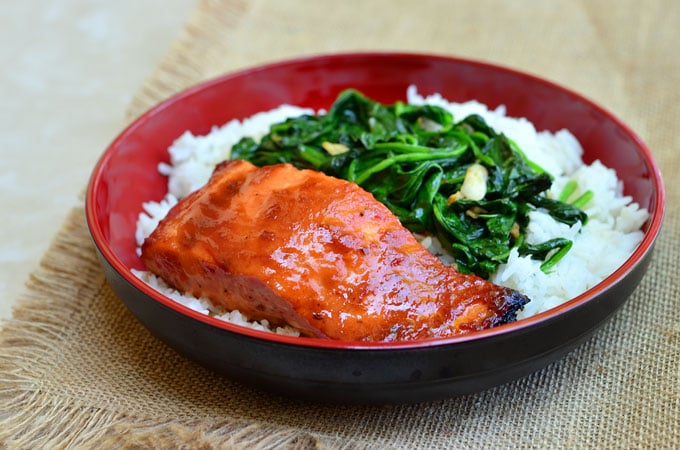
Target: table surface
71, 69
79, 370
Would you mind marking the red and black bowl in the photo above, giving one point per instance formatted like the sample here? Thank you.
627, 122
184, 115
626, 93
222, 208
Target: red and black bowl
360, 372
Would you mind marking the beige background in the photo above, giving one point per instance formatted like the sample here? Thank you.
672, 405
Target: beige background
70, 69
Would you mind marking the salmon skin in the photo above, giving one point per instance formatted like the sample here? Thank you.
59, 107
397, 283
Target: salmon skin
300, 248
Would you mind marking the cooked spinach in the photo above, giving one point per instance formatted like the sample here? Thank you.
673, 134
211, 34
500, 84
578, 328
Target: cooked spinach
417, 161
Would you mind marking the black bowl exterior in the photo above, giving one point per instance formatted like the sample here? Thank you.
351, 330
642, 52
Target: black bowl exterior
376, 376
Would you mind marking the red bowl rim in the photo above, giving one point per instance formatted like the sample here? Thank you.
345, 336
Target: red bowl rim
653, 228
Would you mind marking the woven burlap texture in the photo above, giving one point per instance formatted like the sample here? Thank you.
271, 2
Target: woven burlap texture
78, 371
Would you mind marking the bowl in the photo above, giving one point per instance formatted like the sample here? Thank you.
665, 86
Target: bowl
360, 372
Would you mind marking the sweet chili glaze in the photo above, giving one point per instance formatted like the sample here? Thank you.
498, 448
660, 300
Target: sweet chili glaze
321, 254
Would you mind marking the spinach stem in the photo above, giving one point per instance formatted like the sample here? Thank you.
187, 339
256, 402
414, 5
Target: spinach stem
407, 157
583, 199
568, 189
532, 164
401, 147
547, 266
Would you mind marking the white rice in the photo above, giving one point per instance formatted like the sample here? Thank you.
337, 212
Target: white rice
602, 245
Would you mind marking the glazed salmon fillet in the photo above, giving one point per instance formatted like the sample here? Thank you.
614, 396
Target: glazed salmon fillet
300, 248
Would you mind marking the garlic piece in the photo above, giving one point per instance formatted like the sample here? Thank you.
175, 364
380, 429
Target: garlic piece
474, 183
334, 149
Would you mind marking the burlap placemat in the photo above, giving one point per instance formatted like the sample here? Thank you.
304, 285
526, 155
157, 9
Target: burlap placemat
77, 370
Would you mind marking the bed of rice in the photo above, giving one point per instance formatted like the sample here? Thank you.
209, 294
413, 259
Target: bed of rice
608, 239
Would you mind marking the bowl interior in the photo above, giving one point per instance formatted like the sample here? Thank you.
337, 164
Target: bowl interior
126, 176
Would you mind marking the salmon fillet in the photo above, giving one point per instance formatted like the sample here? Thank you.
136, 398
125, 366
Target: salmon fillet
298, 247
